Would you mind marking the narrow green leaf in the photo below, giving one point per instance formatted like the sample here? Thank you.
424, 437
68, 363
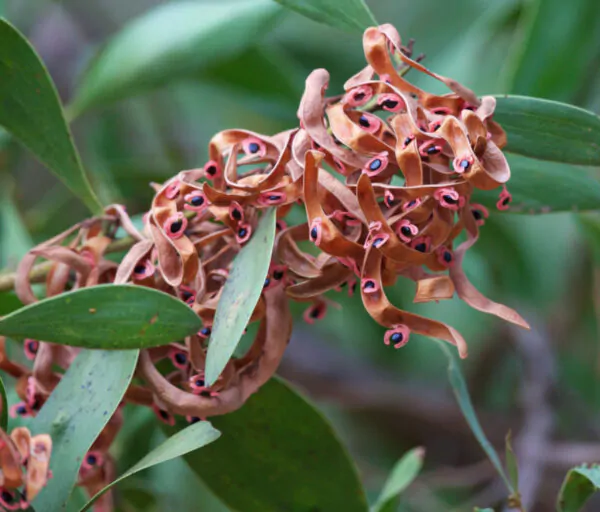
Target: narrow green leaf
477, 509
345, 14
187, 440
240, 295
541, 187
4, 412
512, 465
31, 111
459, 386
169, 42
278, 453
404, 472
14, 238
548, 130
579, 485
104, 317
76, 412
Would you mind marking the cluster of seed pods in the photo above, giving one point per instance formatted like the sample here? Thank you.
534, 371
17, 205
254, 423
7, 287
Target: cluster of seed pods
384, 173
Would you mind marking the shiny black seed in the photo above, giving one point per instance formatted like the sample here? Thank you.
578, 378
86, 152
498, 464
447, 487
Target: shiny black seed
369, 285
236, 214
432, 150
163, 414
447, 257
422, 247
390, 103
197, 201
405, 230
195, 419
364, 121
32, 346
375, 164
7, 497
211, 169
180, 358
274, 198
464, 164
205, 331
378, 242
436, 126
412, 203
315, 312
253, 147
242, 232
267, 282
477, 214
91, 459
140, 269
506, 200
359, 96
185, 295
407, 141
450, 200
397, 337
176, 226
314, 233
21, 410
277, 275
199, 383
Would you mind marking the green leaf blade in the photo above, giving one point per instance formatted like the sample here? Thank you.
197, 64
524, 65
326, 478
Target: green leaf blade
402, 475
187, 440
31, 111
549, 130
240, 294
4, 412
278, 453
104, 317
579, 485
76, 412
169, 42
351, 15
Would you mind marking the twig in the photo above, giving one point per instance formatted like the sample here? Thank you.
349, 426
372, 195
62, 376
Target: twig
39, 272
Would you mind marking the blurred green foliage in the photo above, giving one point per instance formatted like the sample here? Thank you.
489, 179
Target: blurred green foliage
542, 265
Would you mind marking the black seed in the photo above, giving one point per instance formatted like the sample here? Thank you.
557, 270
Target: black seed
194, 419
211, 170
32, 346
464, 164
447, 256
407, 141
205, 331
390, 103
199, 383
422, 247
277, 275
91, 459
185, 295
242, 232
506, 200
314, 233
364, 121
369, 285
432, 150
338, 164
140, 269
21, 410
450, 199
176, 226
405, 230
267, 282
375, 164
253, 147
412, 203
274, 198
359, 96
436, 127
7, 497
163, 414
197, 201
397, 337
315, 312
236, 214
477, 214
180, 358
378, 242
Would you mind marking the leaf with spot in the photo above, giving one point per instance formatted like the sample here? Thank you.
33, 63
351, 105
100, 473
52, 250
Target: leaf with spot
549, 130
579, 485
169, 42
104, 317
278, 453
402, 475
352, 15
30, 110
76, 412
240, 295
185, 441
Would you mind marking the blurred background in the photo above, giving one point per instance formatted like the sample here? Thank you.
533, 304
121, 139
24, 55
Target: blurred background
542, 385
